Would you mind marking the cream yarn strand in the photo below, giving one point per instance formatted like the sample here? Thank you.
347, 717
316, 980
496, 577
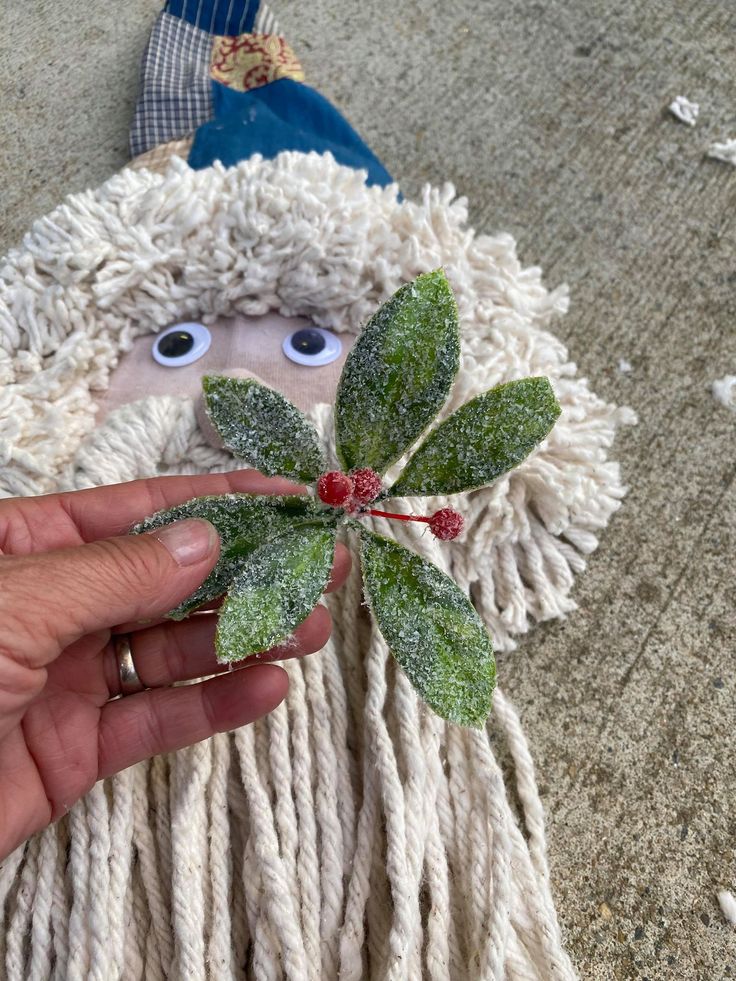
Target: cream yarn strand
308, 874
189, 827
220, 949
330, 828
80, 935
16, 951
149, 863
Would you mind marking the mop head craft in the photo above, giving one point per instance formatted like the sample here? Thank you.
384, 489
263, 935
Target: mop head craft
277, 551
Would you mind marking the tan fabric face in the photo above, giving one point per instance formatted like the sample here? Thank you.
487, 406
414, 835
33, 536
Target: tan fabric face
239, 344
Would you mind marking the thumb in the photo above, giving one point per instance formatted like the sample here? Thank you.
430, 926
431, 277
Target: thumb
49, 600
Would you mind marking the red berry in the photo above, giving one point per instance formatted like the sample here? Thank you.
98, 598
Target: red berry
335, 488
446, 523
366, 485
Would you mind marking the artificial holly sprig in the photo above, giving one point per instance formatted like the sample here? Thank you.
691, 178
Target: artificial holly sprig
276, 552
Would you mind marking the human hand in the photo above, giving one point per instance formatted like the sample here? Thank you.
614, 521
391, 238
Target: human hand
67, 586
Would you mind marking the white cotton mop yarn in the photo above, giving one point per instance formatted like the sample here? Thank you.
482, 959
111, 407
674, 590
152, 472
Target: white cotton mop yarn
350, 834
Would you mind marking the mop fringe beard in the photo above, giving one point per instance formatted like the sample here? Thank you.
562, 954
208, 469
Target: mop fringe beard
349, 835
350, 832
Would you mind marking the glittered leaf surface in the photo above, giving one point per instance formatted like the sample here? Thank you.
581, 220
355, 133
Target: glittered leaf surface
398, 374
263, 428
275, 590
432, 630
482, 440
244, 523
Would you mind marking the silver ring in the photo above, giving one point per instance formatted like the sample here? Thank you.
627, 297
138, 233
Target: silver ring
130, 683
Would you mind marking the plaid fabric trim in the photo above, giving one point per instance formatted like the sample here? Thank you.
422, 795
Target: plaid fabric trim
176, 96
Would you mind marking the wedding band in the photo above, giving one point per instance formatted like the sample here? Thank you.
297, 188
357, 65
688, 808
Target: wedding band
130, 683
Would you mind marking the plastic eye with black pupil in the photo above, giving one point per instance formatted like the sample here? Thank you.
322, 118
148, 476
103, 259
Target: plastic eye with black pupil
312, 346
308, 341
181, 345
174, 345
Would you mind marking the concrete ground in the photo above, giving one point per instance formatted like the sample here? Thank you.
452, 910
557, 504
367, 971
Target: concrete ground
551, 118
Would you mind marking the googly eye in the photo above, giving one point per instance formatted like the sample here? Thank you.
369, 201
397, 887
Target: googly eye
312, 346
181, 344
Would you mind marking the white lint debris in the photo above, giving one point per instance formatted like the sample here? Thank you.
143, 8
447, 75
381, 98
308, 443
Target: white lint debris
728, 906
684, 110
625, 367
725, 151
724, 391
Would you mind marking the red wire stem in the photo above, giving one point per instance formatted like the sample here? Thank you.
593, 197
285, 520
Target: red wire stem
399, 517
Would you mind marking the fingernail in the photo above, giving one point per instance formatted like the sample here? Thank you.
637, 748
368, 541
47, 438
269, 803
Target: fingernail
187, 541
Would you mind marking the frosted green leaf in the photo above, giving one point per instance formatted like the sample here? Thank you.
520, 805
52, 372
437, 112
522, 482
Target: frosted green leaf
431, 629
263, 428
278, 585
398, 374
244, 523
482, 440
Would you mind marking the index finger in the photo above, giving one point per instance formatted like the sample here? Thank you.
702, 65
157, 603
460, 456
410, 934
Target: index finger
74, 517
103, 512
